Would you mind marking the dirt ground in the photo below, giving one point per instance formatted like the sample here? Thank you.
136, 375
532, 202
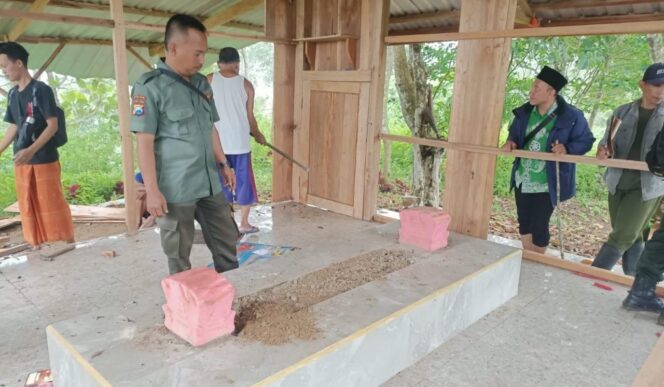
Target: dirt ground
277, 315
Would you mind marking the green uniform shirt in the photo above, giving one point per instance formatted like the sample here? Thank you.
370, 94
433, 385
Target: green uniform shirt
531, 175
630, 178
182, 123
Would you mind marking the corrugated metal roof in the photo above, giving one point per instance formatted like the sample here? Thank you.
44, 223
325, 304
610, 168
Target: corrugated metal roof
87, 61
94, 60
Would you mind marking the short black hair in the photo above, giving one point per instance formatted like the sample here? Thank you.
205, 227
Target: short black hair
14, 52
180, 23
229, 55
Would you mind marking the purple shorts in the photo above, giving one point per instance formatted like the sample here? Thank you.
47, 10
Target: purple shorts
245, 185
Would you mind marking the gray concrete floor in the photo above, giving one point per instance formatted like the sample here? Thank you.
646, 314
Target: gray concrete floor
559, 331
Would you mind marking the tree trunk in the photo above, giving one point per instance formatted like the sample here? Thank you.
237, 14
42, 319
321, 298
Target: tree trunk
416, 103
387, 145
656, 43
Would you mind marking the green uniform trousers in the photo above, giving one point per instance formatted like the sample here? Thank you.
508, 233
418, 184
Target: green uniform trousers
219, 231
651, 263
630, 217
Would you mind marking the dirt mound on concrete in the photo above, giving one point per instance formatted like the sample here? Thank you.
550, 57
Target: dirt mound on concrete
279, 314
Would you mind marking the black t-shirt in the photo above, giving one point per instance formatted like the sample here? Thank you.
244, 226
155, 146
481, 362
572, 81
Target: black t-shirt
19, 107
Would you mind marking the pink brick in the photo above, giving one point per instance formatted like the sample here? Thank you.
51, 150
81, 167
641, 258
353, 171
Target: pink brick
198, 305
425, 227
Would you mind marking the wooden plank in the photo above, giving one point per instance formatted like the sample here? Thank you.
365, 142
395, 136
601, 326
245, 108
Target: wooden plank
160, 28
50, 60
360, 159
325, 23
4, 239
331, 205
303, 142
481, 65
280, 23
576, 267
72, 4
633, 18
89, 42
138, 56
348, 24
298, 131
335, 87
14, 249
577, 30
338, 76
651, 373
22, 24
324, 112
68, 19
611, 163
229, 13
4, 223
49, 253
122, 86
375, 15
84, 211
326, 38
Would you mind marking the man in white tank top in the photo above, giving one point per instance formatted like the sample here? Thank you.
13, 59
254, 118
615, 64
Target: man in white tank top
234, 99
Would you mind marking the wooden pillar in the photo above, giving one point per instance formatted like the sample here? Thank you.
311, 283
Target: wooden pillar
122, 84
375, 19
477, 107
280, 23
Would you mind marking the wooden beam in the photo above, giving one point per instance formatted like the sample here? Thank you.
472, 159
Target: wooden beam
576, 267
651, 373
481, 69
50, 59
218, 34
280, 24
611, 163
22, 24
87, 42
14, 249
427, 16
139, 57
122, 85
229, 13
82, 20
599, 29
375, 20
71, 4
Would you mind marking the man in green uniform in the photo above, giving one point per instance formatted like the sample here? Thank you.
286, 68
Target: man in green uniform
633, 195
179, 151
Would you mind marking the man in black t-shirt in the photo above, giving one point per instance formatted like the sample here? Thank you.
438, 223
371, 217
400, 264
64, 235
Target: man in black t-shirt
32, 117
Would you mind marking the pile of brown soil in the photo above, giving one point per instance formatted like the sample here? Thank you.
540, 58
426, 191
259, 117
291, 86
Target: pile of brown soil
279, 314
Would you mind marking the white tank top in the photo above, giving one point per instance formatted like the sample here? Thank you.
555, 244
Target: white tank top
230, 98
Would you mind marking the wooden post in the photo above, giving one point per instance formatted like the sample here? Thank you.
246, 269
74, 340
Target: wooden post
50, 60
122, 84
280, 23
375, 20
477, 106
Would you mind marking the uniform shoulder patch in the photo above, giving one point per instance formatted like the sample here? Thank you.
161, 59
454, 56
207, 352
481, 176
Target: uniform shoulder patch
138, 105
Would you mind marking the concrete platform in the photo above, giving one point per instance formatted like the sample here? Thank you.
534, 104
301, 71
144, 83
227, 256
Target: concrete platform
560, 330
367, 334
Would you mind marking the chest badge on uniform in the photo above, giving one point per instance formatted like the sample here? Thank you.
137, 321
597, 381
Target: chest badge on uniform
138, 105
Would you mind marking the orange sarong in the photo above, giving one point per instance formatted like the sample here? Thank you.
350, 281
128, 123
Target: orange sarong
45, 214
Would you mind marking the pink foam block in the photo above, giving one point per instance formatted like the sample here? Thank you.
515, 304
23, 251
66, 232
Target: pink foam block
425, 227
198, 305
